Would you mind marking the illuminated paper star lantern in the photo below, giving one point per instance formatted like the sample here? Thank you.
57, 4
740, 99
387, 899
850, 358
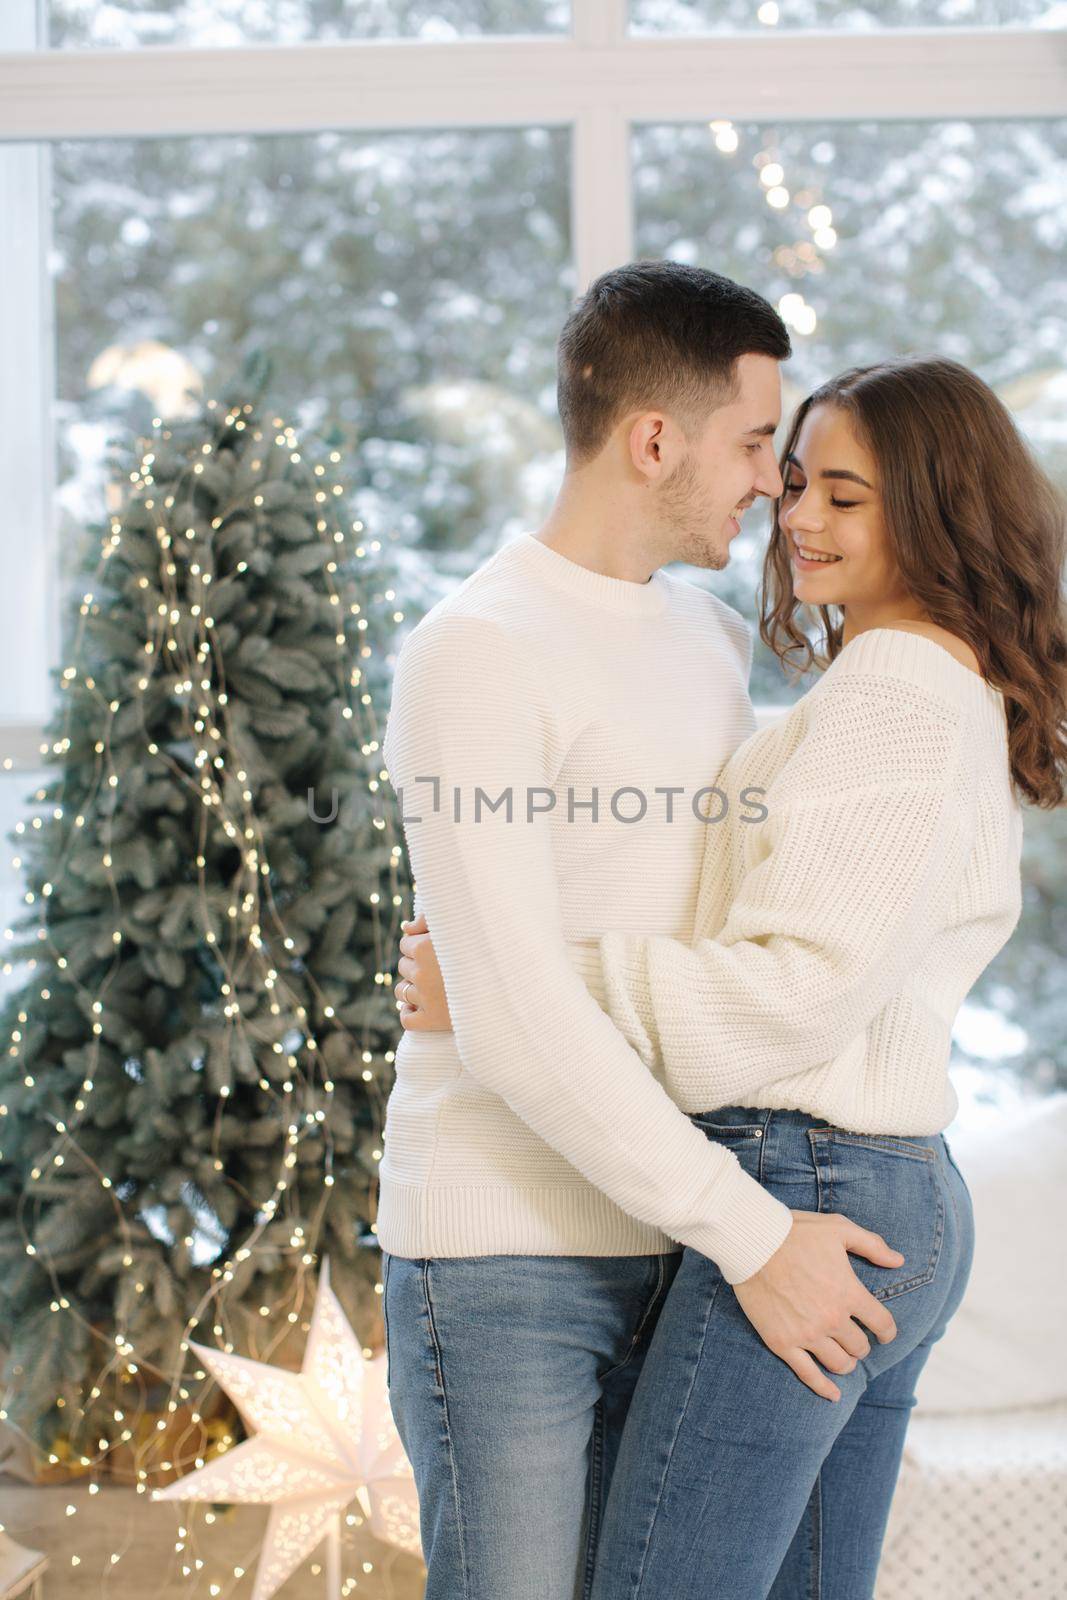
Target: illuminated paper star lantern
323, 1436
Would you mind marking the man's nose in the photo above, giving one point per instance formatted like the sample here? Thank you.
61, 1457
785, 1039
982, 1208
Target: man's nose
770, 481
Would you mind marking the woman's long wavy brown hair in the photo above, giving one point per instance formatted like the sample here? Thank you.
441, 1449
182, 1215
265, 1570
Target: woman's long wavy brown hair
979, 534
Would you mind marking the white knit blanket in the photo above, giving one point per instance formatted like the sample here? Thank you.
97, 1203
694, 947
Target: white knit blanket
980, 1511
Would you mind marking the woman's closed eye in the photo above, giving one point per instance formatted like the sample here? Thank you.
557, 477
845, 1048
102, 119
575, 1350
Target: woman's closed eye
798, 488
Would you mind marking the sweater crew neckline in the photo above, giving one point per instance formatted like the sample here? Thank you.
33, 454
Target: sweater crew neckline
884, 644
917, 658
621, 595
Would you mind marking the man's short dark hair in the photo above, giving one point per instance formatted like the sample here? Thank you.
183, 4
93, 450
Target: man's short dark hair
656, 333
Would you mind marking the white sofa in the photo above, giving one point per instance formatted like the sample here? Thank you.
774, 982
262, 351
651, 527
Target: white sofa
980, 1511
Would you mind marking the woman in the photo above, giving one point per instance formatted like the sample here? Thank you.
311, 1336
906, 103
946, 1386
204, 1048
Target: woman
837, 932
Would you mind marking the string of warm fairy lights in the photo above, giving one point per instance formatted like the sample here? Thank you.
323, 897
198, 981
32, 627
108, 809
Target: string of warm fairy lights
200, 681
803, 256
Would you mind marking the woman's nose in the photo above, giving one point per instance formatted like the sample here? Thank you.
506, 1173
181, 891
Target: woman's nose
802, 517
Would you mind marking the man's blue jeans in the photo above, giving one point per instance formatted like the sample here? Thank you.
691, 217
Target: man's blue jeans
524, 1388
509, 1380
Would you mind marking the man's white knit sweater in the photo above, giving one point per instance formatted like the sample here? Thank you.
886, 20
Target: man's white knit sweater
534, 1128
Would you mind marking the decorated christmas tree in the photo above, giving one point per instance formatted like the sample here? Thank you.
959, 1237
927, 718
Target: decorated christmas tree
199, 1046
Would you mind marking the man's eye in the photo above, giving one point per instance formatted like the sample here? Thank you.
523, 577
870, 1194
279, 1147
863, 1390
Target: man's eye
752, 448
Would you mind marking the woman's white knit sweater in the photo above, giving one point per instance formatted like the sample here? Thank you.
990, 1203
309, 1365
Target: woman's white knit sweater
835, 940
534, 1127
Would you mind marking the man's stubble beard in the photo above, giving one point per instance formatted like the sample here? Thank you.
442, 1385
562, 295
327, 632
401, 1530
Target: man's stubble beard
685, 519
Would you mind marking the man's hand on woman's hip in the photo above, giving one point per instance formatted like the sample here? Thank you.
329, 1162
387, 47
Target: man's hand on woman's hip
802, 1301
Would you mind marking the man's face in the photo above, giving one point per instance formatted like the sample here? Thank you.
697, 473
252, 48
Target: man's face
699, 504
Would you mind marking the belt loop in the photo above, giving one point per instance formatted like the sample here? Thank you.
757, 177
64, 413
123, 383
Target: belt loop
821, 1142
765, 1141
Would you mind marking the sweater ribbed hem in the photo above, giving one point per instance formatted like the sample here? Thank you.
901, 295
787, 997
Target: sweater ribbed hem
491, 1220
516, 1220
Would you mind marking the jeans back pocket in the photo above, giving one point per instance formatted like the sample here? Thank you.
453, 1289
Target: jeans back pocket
891, 1186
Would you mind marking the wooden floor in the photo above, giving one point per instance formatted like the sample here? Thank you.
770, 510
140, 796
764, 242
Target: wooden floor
143, 1533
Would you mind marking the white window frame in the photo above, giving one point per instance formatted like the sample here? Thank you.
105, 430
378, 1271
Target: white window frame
597, 81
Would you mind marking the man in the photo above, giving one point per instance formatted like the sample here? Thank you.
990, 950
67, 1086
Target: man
553, 725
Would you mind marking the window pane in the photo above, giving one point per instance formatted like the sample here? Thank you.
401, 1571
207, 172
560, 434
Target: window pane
746, 16
887, 239
408, 289
125, 24
941, 237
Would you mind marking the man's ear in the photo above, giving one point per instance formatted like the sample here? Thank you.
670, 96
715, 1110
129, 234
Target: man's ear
645, 442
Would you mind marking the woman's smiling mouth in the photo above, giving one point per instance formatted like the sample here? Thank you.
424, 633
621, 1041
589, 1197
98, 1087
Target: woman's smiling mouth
807, 559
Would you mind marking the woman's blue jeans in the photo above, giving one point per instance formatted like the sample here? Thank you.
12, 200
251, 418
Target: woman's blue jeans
734, 1481
525, 1388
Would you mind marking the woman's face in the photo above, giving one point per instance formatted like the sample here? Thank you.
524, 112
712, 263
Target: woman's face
831, 506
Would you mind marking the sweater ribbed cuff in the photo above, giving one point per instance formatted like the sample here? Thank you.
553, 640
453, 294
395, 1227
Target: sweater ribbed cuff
747, 1228
628, 997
